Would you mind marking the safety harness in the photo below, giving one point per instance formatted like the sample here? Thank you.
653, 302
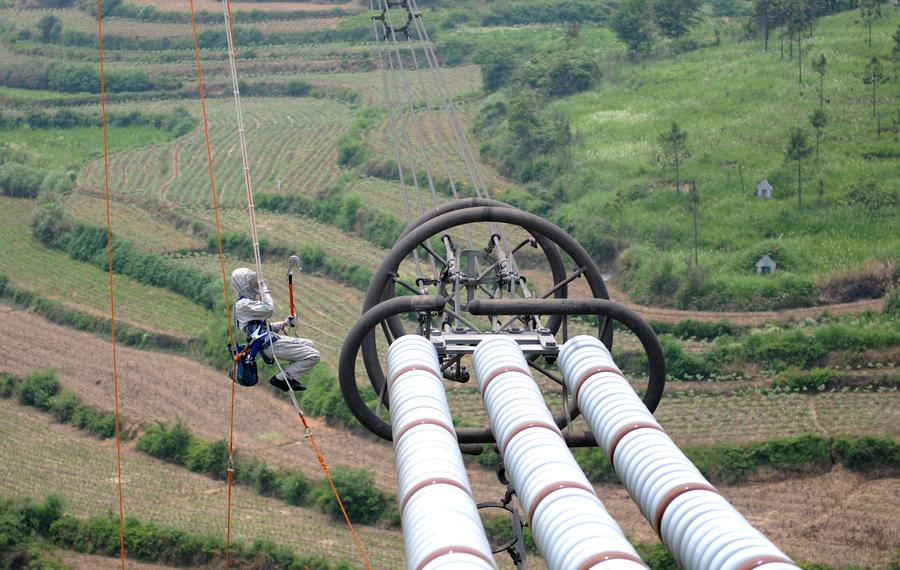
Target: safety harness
259, 338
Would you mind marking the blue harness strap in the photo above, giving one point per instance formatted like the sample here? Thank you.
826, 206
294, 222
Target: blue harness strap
258, 337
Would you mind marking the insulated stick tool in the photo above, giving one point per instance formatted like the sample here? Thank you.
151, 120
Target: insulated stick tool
293, 261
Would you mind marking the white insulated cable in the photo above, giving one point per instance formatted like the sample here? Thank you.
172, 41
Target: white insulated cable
701, 529
571, 527
441, 525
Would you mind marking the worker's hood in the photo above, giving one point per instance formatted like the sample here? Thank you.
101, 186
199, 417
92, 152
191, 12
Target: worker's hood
244, 282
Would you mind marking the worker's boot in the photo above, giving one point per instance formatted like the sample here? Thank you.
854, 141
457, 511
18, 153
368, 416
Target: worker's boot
279, 383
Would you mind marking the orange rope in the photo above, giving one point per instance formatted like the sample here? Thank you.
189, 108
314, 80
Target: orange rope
112, 298
215, 201
325, 469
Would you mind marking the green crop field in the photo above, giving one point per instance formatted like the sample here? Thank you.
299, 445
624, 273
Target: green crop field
52, 274
60, 149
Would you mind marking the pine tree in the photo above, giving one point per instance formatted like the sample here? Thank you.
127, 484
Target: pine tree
874, 76
675, 150
798, 149
818, 120
819, 64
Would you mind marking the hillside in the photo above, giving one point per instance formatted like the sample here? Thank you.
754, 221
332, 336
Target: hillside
756, 362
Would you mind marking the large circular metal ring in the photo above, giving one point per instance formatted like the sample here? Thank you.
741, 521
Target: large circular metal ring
417, 234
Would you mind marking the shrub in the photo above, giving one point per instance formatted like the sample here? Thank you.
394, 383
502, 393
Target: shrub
20, 181
680, 364
797, 380
168, 443
210, 458
37, 389
7, 385
732, 463
63, 405
96, 422
363, 501
293, 488
867, 453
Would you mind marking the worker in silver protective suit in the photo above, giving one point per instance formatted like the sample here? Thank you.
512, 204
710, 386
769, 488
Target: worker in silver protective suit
252, 310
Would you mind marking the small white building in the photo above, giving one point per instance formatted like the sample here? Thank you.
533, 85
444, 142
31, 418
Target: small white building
764, 190
765, 265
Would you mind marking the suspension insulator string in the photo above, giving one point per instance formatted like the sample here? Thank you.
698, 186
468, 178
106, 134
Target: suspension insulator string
112, 296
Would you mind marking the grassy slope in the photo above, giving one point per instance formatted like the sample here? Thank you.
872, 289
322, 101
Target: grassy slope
737, 104
52, 274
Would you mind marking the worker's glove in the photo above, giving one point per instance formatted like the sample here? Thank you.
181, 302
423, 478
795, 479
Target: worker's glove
291, 321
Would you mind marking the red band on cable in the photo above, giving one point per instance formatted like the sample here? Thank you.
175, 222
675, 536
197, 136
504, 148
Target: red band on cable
611, 555
763, 560
674, 494
452, 550
525, 425
498, 372
550, 489
429, 482
591, 372
625, 431
406, 369
426, 421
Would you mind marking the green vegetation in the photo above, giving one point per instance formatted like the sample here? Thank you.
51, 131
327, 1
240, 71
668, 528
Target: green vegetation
89, 244
30, 530
621, 170
365, 503
44, 278
41, 390
333, 207
868, 453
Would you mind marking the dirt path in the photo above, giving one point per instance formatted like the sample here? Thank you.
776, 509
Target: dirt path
742, 318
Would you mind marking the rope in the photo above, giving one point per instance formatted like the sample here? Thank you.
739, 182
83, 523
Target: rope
215, 202
112, 297
257, 258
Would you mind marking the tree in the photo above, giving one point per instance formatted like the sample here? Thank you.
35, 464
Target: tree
50, 29
674, 18
874, 76
497, 67
694, 199
869, 10
819, 64
675, 150
631, 24
895, 51
798, 149
818, 120
764, 14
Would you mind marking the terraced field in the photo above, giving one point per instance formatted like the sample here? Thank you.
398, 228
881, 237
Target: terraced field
140, 227
52, 274
292, 140
82, 470
294, 231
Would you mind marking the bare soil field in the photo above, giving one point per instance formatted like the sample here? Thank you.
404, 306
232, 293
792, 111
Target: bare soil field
840, 518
